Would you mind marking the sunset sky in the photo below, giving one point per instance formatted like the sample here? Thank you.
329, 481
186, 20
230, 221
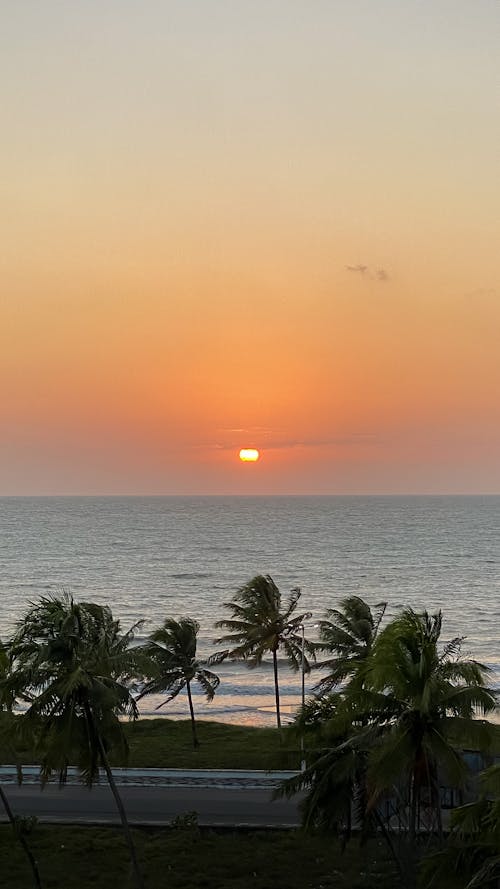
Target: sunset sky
268, 224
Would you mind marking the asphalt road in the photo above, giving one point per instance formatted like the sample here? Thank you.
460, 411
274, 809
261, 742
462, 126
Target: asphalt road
214, 806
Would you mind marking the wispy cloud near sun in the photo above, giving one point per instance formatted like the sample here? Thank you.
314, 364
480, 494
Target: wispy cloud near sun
377, 274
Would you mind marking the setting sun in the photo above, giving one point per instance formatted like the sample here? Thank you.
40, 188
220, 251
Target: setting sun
249, 455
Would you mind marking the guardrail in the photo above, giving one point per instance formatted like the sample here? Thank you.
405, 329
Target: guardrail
162, 777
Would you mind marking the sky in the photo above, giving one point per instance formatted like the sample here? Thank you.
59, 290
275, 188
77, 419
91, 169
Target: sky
268, 224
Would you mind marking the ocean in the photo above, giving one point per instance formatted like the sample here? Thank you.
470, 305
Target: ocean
155, 557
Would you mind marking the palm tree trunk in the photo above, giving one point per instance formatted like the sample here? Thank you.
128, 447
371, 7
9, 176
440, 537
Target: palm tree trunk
439, 815
412, 832
412, 826
276, 689
114, 790
22, 839
123, 816
196, 743
391, 846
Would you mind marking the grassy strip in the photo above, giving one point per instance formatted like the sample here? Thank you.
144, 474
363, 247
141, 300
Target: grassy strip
167, 743
77, 858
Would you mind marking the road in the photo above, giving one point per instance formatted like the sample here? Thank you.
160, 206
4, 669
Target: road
154, 805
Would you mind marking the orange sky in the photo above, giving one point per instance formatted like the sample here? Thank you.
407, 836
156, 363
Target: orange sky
249, 229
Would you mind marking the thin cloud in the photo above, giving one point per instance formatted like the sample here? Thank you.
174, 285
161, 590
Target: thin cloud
361, 269
378, 274
254, 430
349, 439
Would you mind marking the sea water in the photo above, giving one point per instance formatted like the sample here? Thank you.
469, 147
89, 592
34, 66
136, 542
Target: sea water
150, 558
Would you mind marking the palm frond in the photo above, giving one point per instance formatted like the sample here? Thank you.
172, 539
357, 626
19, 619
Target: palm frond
218, 657
174, 689
490, 780
209, 682
487, 875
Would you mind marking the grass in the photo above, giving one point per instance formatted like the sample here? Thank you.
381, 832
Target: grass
167, 743
76, 858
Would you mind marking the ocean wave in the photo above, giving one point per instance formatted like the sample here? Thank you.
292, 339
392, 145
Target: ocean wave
189, 575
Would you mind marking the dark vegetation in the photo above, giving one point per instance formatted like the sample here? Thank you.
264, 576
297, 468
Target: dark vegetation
391, 740
383, 739
187, 858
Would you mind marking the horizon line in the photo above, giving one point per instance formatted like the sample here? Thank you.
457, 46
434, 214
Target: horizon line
248, 495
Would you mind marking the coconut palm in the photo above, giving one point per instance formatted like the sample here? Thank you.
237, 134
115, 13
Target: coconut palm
7, 732
400, 732
171, 650
331, 778
260, 624
431, 700
7, 698
71, 664
347, 633
420, 703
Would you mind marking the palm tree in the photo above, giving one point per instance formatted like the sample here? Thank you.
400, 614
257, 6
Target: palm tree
171, 651
331, 778
259, 625
7, 699
6, 703
71, 664
348, 633
398, 733
431, 700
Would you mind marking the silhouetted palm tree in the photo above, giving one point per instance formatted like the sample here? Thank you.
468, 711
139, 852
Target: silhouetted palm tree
7, 700
431, 700
71, 665
260, 625
347, 633
171, 651
399, 732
